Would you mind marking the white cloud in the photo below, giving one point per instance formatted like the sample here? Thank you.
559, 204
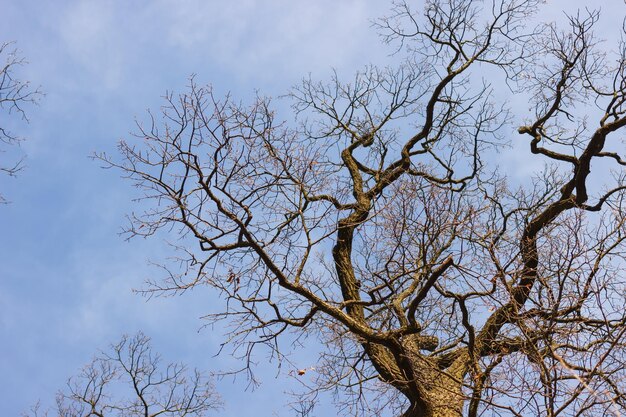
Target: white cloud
93, 38
275, 38
114, 44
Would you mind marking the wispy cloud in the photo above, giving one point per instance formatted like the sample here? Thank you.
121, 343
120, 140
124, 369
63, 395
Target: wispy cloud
251, 37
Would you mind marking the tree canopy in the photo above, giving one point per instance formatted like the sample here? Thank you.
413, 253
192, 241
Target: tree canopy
379, 222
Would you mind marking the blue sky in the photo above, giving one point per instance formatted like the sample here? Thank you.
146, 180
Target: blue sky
65, 274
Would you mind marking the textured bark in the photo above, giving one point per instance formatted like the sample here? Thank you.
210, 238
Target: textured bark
443, 398
432, 392
442, 389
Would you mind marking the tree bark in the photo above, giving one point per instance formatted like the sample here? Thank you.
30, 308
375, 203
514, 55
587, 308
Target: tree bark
443, 394
432, 392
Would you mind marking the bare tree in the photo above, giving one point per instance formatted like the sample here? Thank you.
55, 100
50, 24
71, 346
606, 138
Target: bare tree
131, 381
381, 224
14, 94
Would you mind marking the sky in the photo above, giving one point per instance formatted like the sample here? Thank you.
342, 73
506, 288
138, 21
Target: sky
66, 275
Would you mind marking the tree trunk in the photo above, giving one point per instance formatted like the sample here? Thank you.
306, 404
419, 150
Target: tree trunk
432, 392
440, 404
441, 390
443, 411
443, 400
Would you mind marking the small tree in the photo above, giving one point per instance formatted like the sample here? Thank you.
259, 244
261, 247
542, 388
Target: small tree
130, 381
14, 94
383, 225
